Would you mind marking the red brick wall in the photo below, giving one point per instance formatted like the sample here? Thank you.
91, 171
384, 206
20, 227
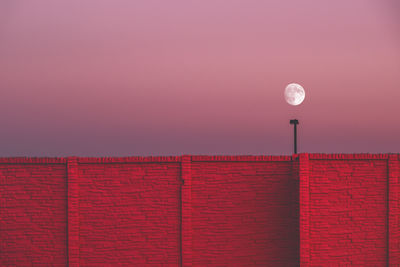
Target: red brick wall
201, 210
345, 210
244, 213
129, 213
33, 219
348, 212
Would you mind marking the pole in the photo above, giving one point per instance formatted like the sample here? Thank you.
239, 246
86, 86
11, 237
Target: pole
295, 122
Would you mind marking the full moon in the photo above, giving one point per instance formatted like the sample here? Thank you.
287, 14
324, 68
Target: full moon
294, 94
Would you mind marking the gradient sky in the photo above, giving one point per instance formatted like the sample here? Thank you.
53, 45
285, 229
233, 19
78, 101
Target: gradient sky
120, 78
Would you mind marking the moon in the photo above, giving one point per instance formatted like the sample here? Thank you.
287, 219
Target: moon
294, 94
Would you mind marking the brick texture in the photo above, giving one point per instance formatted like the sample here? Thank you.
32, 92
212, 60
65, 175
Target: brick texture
244, 213
186, 212
308, 210
302, 165
394, 210
129, 214
348, 212
33, 218
73, 211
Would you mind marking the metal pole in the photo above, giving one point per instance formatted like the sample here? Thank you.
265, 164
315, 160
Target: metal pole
295, 122
295, 139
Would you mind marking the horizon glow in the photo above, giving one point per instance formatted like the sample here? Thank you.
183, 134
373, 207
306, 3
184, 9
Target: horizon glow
120, 78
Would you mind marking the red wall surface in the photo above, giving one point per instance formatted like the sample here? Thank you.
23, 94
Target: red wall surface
349, 210
309, 209
244, 213
33, 212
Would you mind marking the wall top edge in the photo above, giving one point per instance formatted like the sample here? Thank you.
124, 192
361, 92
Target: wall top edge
194, 158
350, 156
32, 160
240, 158
132, 159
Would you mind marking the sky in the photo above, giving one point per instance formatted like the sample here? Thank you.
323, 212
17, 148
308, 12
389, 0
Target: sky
141, 78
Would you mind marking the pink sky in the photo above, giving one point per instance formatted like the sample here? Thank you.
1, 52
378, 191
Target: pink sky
119, 78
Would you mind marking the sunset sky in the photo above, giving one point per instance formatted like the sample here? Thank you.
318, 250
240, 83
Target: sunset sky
126, 78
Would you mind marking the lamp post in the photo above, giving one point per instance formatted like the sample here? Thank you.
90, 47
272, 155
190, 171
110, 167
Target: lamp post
295, 122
